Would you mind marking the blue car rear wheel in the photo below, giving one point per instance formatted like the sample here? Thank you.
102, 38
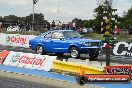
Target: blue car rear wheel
40, 50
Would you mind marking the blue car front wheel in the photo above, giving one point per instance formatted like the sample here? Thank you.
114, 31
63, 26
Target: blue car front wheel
94, 55
74, 52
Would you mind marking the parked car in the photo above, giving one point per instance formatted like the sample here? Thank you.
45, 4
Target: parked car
86, 30
65, 41
13, 28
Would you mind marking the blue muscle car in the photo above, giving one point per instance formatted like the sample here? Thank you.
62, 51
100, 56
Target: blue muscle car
65, 41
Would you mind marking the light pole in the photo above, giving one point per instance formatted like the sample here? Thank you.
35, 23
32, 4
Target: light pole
33, 17
58, 9
34, 2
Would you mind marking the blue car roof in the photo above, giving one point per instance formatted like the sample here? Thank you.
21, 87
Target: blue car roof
55, 30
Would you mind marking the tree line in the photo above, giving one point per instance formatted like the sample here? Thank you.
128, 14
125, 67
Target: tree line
12, 19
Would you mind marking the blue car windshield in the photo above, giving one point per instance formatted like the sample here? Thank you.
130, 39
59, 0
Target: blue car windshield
72, 34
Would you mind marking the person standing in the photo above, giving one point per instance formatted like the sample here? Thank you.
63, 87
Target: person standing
63, 26
124, 30
130, 30
59, 25
116, 30
67, 26
53, 24
74, 26
0, 26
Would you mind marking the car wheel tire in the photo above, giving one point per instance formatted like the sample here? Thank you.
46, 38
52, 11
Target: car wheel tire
81, 80
40, 50
74, 52
94, 55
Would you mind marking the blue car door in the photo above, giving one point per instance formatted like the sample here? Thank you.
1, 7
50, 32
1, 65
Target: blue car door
46, 42
57, 43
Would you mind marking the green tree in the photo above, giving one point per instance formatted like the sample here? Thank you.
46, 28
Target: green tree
104, 10
129, 13
88, 23
79, 23
11, 18
128, 18
39, 18
1, 19
121, 23
98, 18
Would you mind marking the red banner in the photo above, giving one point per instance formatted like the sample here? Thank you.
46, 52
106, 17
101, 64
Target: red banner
119, 70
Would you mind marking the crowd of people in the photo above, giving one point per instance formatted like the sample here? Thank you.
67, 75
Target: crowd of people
129, 30
63, 25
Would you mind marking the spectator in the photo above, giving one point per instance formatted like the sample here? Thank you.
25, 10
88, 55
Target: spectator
130, 30
48, 26
59, 25
93, 29
74, 26
20, 26
0, 26
70, 25
67, 26
53, 24
124, 30
116, 30
63, 25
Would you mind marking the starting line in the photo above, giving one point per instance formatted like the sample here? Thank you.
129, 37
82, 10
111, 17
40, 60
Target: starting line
56, 76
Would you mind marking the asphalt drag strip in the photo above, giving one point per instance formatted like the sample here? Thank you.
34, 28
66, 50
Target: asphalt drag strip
13, 80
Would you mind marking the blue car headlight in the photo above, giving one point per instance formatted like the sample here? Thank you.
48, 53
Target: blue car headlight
87, 43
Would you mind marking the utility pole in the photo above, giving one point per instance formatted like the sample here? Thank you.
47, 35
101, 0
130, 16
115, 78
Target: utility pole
33, 17
58, 9
34, 2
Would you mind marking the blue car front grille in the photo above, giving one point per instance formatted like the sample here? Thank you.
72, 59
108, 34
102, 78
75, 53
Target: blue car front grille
95, 43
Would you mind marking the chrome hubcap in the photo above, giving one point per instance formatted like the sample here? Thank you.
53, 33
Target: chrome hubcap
39, 50
74, 52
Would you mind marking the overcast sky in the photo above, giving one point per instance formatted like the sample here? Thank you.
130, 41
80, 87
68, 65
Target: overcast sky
68, 9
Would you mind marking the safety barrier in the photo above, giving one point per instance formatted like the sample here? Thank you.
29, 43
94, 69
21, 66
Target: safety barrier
75, 68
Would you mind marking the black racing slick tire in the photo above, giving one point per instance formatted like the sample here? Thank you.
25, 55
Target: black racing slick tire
94, 55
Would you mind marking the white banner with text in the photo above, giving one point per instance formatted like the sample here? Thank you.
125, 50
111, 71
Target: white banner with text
16, 40
29, 60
